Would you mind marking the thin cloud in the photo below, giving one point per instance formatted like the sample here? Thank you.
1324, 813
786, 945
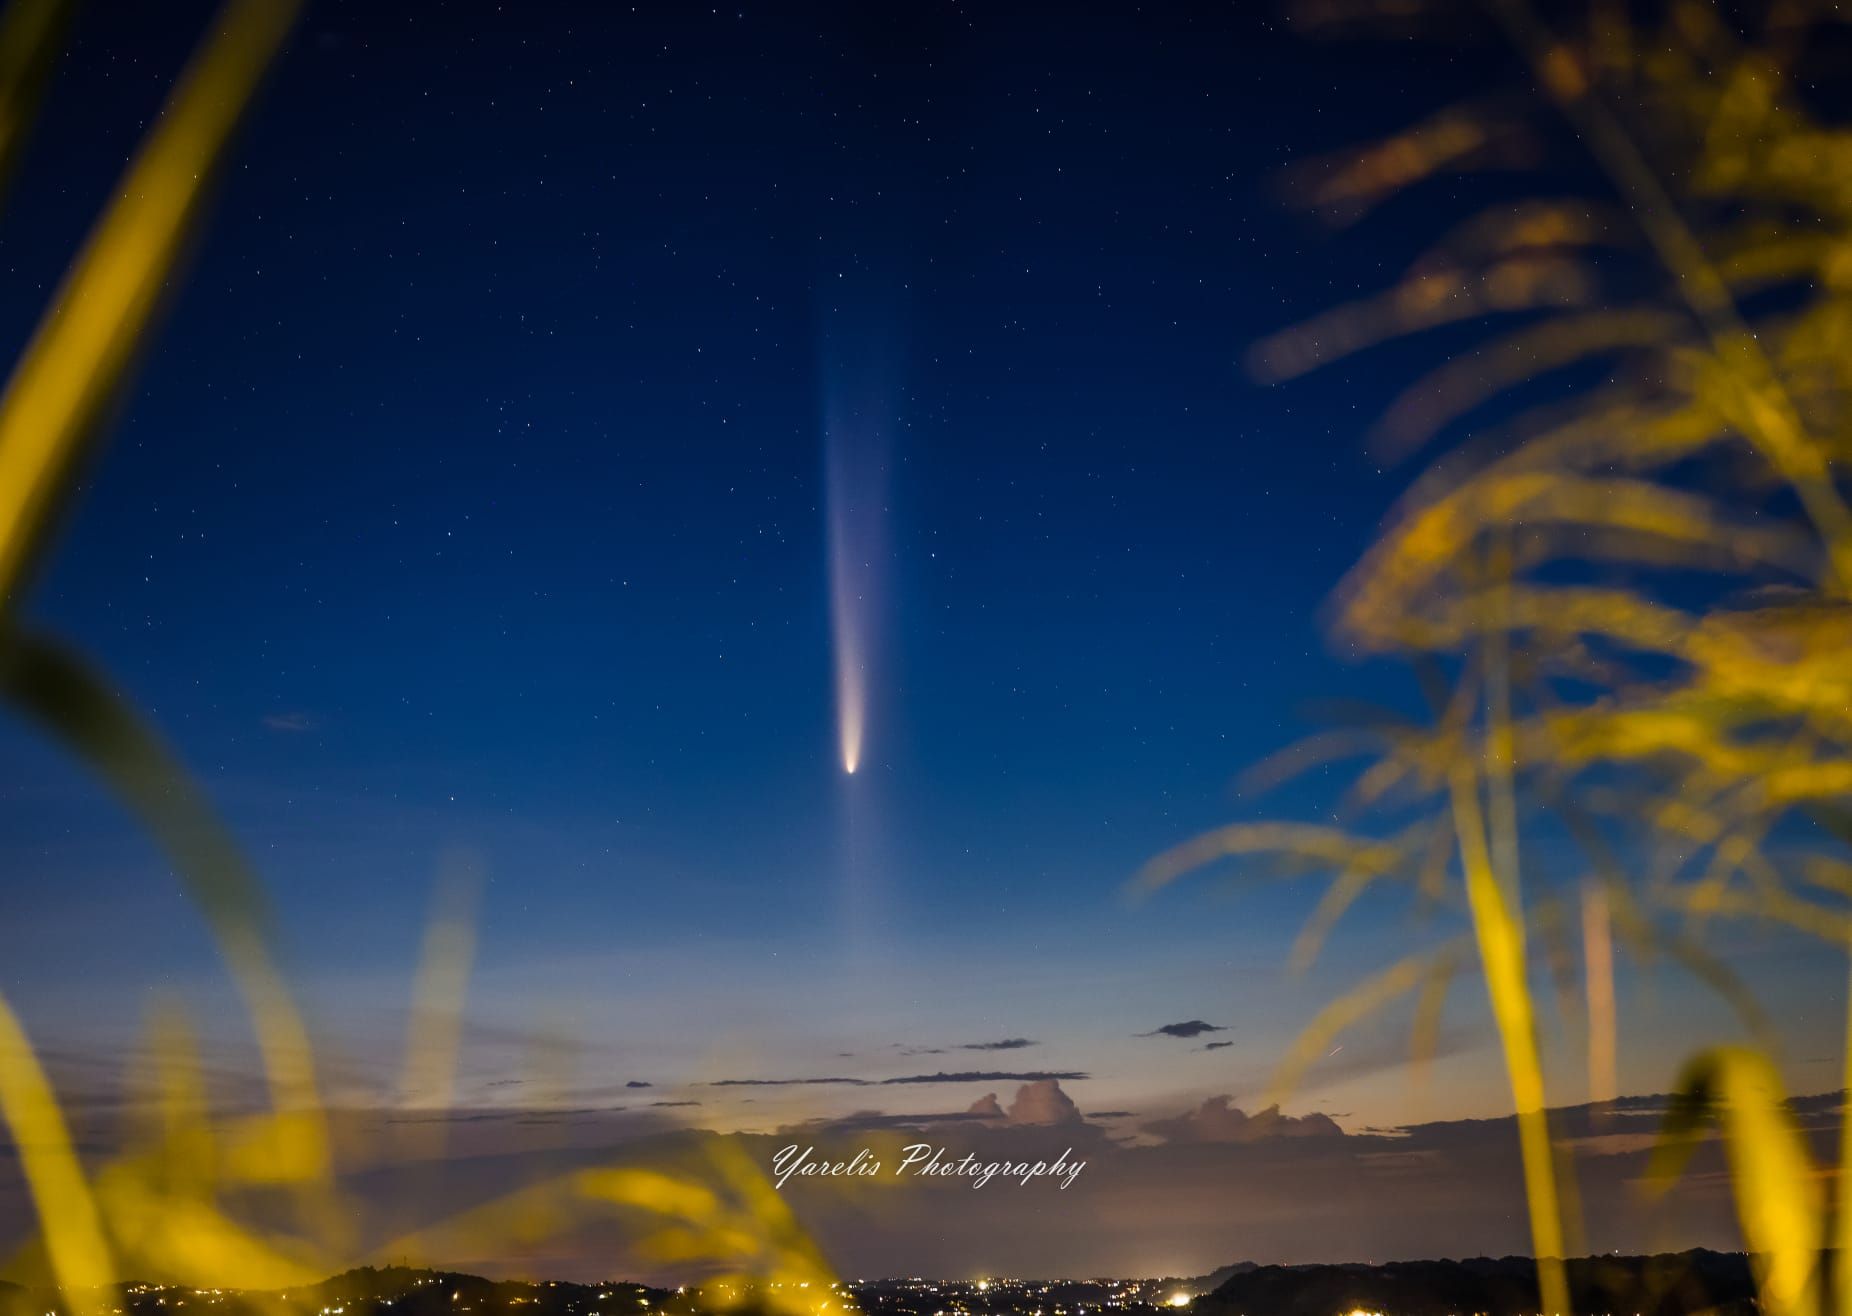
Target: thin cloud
940, 1076
1188, 1028
1002, 1044
790, 1082
991, 1076
874, 1119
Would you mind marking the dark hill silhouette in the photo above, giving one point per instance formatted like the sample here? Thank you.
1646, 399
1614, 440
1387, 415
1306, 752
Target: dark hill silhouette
1668, 1285
1216, 1278
1675, 1284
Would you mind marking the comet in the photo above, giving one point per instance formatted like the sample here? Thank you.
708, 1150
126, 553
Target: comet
855, 445
859, 372
848, 643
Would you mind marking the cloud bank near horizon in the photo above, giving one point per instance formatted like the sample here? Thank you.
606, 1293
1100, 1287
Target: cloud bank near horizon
1177, 1189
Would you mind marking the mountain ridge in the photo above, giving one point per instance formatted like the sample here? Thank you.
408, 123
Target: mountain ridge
1662, 1284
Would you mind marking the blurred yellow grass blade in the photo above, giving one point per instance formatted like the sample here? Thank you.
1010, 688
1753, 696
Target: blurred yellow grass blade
76, 361
1425, 300
1432, 538
433, 1034
185, 1239
1842, 1203
1355, 1005
1610, 37
55, 687
1778, 1199
1753, 392
799, 1258
719, 1209
751, 1229
29, 36
1499, 930
169, 1108
73, 1230
652, 1190
1344, 891
1458, 138
527, 1215
1424, 1031
1452, 390
1323, 845
1598, 969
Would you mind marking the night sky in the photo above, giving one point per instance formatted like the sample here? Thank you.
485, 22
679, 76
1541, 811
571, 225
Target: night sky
474, 507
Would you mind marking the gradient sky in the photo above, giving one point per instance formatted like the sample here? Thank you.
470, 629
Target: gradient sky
473, 503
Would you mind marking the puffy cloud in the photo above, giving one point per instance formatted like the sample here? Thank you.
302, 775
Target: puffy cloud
1218, 1120
1043, 1102
986, 1107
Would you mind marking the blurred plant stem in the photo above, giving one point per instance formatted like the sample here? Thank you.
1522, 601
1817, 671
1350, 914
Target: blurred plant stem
1498, 930
1626, 596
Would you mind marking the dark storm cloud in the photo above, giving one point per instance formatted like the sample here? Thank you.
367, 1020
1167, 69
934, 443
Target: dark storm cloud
1215, 1046
636, 1083
1188, 1028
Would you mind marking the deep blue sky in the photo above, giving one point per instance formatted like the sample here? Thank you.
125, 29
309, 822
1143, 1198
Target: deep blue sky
472, 499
